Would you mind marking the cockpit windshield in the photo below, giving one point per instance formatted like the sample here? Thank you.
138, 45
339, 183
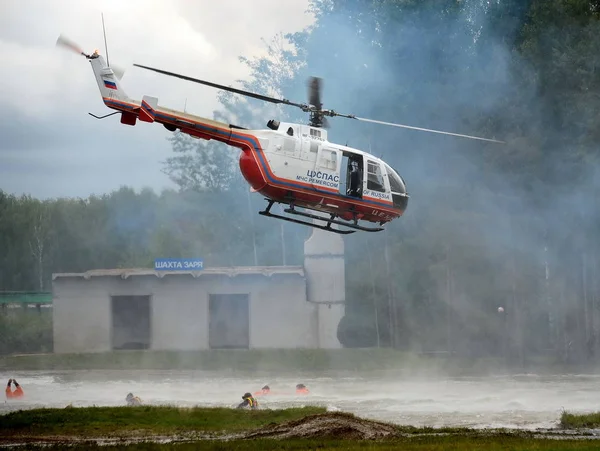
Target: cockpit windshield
396, 183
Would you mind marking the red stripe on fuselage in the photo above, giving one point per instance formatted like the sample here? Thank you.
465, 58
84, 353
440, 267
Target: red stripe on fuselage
228, 138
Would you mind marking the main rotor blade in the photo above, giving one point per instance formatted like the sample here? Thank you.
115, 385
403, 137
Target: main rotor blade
226, 88
428, 130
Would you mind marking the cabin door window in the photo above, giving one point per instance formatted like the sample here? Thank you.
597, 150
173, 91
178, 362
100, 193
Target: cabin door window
327, 170
375, 181
328, 160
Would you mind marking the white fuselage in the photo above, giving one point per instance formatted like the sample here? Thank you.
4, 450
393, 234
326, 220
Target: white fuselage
301, 153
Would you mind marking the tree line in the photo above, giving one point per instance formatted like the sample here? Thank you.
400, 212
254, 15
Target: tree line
487, 225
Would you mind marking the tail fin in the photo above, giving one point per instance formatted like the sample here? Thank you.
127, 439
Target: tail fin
108, 81
148, 109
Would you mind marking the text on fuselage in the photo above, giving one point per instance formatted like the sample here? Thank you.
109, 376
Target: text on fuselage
320, 178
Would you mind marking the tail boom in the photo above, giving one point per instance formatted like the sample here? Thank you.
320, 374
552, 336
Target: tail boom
148, 110
198, 127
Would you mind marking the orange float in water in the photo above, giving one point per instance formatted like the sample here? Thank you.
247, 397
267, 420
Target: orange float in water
17, 393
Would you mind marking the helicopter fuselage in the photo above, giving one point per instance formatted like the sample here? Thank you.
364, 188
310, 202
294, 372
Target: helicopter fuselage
296, 161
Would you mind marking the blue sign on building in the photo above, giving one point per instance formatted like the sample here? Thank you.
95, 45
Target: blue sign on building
178, 264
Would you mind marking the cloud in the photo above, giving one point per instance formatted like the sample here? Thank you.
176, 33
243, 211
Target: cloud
51, 146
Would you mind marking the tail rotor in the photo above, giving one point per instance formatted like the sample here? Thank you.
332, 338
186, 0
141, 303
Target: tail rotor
118, 71
71, 46
66, 43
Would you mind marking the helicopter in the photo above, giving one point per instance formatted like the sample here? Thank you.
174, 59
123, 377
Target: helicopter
320, 183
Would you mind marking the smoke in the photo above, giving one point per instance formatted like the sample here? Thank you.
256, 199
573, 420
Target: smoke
484, 220
485, 224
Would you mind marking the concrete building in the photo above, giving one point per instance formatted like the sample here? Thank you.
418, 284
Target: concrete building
214, 308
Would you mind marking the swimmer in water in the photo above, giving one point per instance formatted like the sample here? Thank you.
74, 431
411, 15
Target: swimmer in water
263, 391
133, 400
248, 402
301, 389
18, 393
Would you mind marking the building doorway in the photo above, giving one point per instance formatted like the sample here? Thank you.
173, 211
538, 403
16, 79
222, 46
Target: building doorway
229, 321
130, 322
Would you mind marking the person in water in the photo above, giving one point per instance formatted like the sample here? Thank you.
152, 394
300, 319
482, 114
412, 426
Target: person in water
18, 393
248, 401
133, 400
301, 389
263, 391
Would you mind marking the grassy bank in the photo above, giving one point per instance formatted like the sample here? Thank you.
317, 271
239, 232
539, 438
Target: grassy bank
239, 360
292, 360
107, 421
583, 421
201, 428
25, 330
280, 360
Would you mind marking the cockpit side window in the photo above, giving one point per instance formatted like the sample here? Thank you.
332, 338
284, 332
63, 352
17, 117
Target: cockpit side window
375, 180
396, 183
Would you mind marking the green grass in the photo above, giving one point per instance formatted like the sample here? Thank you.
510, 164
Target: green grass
104, 421
573, 421
26, 331
265, 360
291, 360
62, 425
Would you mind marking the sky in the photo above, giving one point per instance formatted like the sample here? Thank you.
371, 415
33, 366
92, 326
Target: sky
51, 147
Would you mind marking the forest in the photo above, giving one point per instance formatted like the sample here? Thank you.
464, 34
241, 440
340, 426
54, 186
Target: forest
487, 225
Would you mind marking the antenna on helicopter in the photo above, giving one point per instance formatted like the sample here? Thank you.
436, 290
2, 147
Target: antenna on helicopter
105, 44
318, 115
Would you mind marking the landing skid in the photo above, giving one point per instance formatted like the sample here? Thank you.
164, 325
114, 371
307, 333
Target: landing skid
330, 221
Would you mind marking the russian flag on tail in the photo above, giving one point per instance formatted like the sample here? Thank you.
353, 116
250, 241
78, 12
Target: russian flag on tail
110, 84
148, 109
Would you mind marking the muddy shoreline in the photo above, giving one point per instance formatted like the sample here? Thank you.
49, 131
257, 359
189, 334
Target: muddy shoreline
330, 426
